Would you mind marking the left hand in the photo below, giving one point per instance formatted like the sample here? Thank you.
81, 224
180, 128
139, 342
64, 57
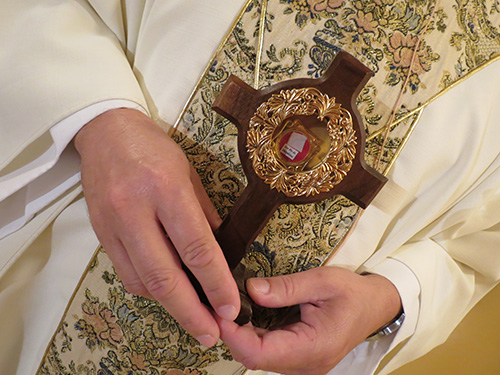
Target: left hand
339, 309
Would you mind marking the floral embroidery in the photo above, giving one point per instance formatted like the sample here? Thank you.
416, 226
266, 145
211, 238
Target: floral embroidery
310, 10
319, 6
365, 22
99, 325
401, 51
126, 334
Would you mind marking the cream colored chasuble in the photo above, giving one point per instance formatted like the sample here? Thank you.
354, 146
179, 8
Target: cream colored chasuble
105, 329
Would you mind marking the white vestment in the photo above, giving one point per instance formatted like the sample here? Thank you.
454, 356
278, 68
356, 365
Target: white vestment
433, 231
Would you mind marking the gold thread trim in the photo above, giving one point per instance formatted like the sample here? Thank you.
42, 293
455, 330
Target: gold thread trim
173, 129
420, 37
417, 111
360, 211
432, 98
403, 143
70, 302
260, 45
123, 7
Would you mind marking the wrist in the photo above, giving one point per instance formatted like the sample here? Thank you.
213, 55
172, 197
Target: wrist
385, 303
108, 124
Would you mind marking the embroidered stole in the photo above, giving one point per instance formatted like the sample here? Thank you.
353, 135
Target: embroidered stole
417, 49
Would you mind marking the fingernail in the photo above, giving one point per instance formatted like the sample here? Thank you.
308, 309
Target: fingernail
261, 286
227, 312
206, 340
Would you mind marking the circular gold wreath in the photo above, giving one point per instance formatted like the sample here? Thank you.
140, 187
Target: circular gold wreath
335, 165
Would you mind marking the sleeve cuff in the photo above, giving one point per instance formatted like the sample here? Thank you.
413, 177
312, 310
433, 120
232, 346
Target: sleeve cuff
48, 176
61, 133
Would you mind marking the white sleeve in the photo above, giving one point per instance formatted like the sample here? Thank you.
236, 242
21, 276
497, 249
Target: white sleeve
439, 216
454, 273
26, 190
64, 67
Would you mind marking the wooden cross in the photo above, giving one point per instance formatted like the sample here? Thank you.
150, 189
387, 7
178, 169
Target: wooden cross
299, 141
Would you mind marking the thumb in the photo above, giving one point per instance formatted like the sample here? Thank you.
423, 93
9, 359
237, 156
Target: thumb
303, 287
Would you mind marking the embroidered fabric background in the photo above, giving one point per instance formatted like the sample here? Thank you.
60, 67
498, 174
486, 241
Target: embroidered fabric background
108, 331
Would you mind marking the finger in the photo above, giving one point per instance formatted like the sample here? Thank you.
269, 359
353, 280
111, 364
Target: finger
206, 204
285, 351
297, 288
124, 268
158, 266
194, 241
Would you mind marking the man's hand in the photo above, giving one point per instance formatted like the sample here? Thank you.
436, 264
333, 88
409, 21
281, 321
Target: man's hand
148, 208
339, 309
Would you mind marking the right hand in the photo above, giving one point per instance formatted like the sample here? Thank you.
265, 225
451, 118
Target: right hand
148, 208
338, 310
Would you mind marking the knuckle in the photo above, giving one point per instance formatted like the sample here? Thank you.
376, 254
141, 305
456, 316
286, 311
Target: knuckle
123, 194
136, 287
289, 287
118, 197
328, 281
156, 176
161, 283
212, 289
198, 254
189, 323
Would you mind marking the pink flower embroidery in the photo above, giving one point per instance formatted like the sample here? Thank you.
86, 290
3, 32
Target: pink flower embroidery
402, 48
138, 361
365, 22
318, 6
104, 323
